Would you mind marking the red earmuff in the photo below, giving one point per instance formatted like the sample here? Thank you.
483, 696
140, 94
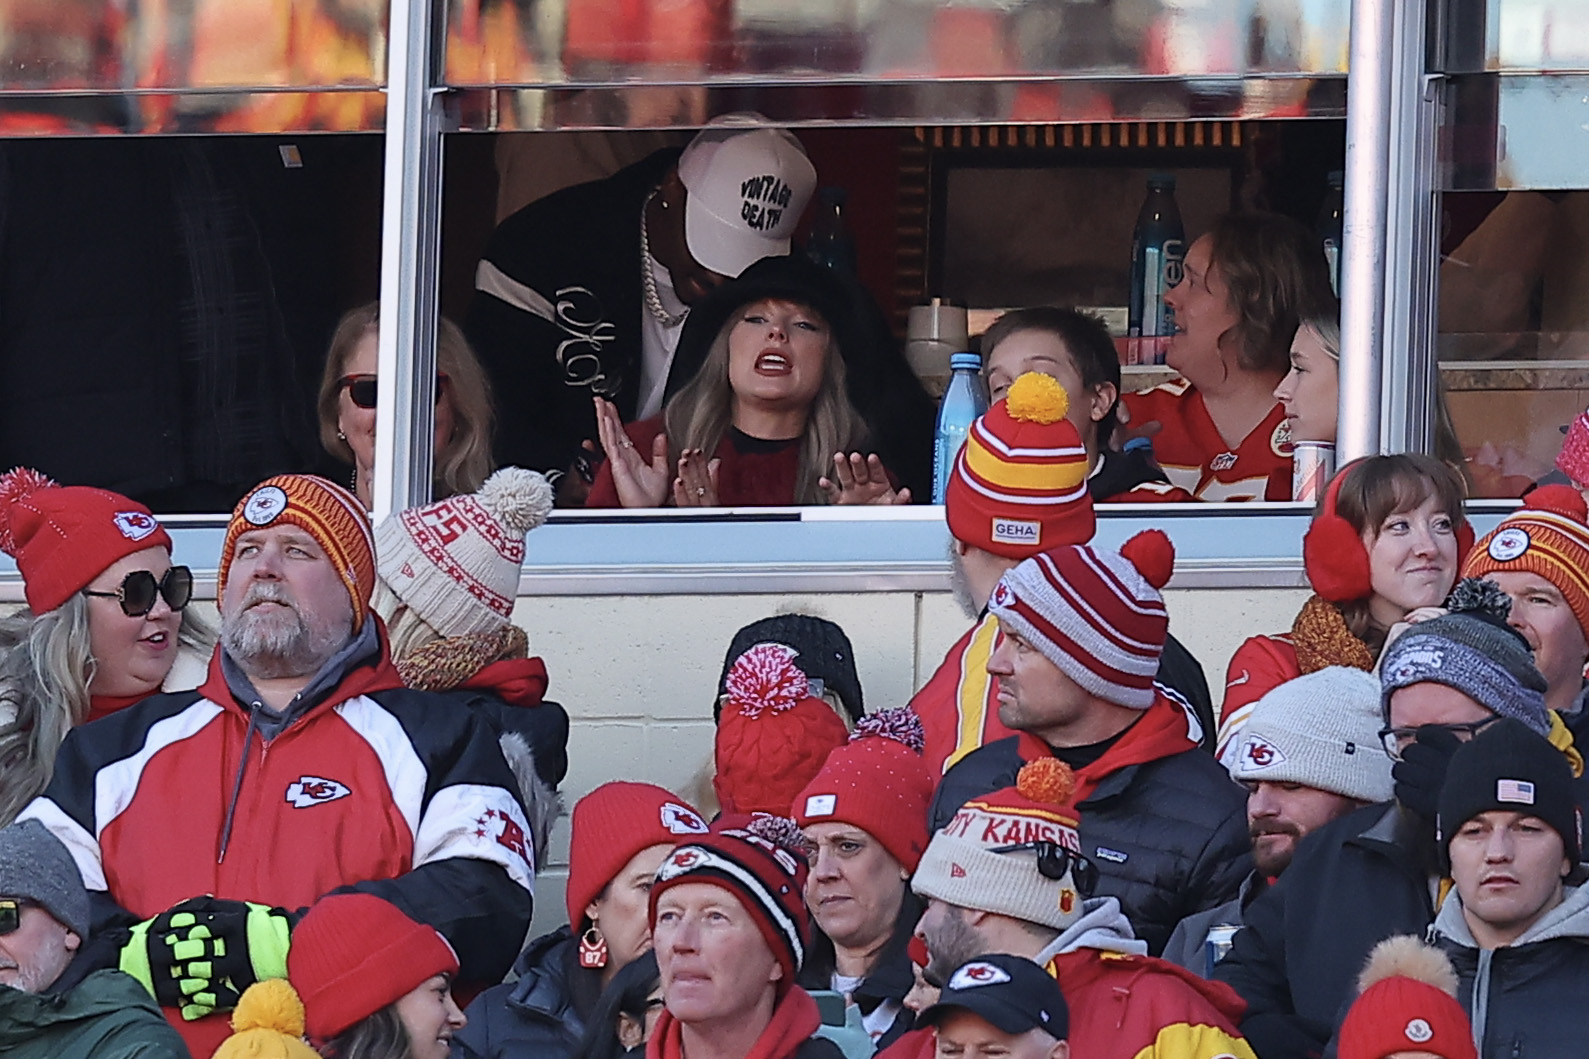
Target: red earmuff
1333, 554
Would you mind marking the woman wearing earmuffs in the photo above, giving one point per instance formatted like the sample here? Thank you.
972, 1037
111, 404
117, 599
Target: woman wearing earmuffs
1388, 537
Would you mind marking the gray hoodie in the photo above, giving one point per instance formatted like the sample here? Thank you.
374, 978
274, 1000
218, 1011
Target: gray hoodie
1526, 999
1102, 926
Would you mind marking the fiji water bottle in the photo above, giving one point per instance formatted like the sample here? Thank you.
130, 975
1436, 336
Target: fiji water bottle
963, 401
1329, 227
1158, 246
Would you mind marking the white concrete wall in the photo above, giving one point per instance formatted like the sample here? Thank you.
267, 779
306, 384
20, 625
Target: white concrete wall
638, 674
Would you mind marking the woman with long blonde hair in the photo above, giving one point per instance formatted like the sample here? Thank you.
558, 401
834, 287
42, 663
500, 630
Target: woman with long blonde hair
348, 388
767, 419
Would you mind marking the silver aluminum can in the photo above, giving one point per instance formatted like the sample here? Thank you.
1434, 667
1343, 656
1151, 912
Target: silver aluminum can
1312, 467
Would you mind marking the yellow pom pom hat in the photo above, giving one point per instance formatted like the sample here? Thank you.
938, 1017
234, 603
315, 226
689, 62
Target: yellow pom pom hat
1019, 485
267, 1024
1016, 851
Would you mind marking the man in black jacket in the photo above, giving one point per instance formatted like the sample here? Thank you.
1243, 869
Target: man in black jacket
1083, 631
585, 293
1375, 873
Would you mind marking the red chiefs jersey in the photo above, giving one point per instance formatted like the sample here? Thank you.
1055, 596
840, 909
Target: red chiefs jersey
1260, 664
959, 706
1194, 456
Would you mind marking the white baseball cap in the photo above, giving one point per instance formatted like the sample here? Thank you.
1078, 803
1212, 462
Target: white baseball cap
747, 186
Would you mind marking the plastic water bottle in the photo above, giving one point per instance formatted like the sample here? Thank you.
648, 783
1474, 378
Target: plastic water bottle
963, 401
1329, 227
1158, 246
830, 243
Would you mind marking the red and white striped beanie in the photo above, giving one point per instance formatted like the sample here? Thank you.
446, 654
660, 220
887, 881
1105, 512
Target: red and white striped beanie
1096, 614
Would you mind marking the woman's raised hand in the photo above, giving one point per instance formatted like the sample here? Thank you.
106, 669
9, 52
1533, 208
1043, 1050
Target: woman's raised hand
696, 485
861, 479
639, 484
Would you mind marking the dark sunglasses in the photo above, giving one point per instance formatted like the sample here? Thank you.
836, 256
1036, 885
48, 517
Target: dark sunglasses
11, 915
138, 590
362, 389
1054, 860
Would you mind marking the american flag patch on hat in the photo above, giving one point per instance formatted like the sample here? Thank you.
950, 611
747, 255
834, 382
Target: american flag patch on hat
1520, 792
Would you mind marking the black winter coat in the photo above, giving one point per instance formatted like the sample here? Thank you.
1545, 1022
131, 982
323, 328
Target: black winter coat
532, 1017
1169, 836
1526, 1000
1352, 883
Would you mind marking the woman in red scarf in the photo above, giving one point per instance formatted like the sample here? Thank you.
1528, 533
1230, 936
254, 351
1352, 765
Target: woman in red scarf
729, 924
104, 618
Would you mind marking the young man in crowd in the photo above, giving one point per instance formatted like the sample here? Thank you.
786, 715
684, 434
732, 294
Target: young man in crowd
1000, 1007
51, 1005
1310, 754
1375, 872
1517, 933
300, 766
1002, 509
1007, 875
1083, 629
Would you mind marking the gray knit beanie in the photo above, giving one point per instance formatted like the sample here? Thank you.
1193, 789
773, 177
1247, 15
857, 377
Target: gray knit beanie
35, 866
1320, 730
1473, 650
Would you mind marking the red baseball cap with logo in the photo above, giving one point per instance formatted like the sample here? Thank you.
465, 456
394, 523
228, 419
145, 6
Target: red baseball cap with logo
63, 537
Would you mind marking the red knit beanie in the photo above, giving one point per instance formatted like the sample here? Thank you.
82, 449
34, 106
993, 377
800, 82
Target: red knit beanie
63, 537
1019, 485
610, 825
1408, 1004
353, 954
328, 513
1573, 459
761, 860
773, 735
877, 782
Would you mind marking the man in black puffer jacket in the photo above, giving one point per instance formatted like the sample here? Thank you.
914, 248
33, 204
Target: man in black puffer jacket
1083, 632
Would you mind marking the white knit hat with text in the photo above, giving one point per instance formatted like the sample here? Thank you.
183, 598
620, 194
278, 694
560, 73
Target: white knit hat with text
456, 562
1094, 613
1320, 730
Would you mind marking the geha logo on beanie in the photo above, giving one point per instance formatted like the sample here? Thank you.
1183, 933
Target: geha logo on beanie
1508, 544
1015, 531
975, 974
681, 819
265, 505
135, 525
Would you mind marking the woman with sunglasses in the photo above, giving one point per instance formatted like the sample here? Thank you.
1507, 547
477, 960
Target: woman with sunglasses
104, 620
865, 815
768, 419
349, 389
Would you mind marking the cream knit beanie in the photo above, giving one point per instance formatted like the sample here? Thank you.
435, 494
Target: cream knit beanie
456, 562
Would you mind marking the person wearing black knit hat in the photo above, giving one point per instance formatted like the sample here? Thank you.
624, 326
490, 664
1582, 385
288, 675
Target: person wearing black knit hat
1516, 926
767, 420
823, 652
1377, 872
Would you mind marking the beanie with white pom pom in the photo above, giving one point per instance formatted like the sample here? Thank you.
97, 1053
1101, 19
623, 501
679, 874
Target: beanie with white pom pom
456, 562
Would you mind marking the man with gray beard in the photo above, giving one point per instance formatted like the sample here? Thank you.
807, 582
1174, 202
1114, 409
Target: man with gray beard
300, 767
1019, 487
51, 1006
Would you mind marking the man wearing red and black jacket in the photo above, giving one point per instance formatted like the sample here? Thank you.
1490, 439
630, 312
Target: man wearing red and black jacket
209, 821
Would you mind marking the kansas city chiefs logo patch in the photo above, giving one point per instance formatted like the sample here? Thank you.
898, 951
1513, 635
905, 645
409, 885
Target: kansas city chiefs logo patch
974, 974
681, 861
314, 790
1258, 753
681, 819
135, 525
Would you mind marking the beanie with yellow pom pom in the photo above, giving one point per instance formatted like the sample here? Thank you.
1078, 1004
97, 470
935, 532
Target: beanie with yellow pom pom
1019, 485
1016, 851
267, 1024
